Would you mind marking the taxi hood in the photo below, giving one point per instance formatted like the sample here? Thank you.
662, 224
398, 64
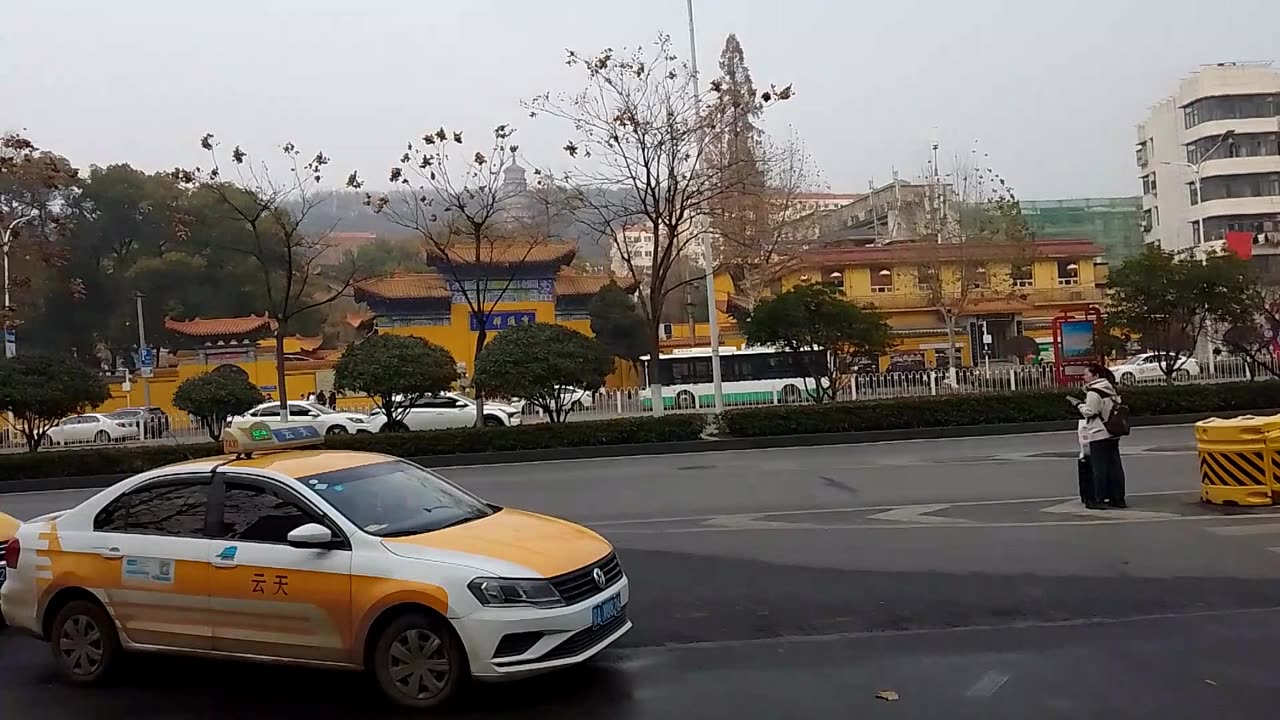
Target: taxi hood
540, 545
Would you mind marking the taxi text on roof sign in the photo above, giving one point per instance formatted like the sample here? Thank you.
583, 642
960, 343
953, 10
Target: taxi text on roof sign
259, 436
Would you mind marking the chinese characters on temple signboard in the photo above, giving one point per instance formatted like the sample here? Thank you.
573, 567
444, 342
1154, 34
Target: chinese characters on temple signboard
504, 320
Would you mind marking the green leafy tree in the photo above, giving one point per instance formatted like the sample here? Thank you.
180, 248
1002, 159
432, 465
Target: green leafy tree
396, 371
616, 324
1171, 300
215, 397
39, 390
810, 318
544, 364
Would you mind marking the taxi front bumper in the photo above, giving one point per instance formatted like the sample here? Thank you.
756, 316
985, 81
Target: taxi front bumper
546, 638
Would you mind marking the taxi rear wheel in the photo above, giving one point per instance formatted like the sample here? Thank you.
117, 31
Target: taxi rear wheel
84, 641
419, 662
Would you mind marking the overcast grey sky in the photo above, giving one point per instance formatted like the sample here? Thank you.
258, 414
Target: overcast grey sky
1051, 90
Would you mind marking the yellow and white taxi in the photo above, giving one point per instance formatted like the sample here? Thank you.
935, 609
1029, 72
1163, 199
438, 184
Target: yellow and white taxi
333, 558
8, 528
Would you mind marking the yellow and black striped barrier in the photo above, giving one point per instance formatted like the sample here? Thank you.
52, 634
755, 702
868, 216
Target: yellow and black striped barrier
1239, 460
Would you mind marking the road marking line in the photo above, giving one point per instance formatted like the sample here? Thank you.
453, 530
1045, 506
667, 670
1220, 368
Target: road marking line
862, 508
1108, 519
917, 514
1075, 507
877, 634
988, 684
1253, 529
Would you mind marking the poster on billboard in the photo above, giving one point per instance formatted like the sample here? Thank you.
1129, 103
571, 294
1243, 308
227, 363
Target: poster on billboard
1078, 340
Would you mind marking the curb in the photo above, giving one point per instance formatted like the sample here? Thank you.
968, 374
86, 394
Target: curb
91, 482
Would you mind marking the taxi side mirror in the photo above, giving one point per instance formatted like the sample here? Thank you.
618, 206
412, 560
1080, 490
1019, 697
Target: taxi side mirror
311, 535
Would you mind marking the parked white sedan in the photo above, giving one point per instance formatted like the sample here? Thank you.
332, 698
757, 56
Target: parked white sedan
1150, 366
326, 420
450, 410
90, 428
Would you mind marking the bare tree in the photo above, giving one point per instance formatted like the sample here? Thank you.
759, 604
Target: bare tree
760, 230
642, 138
476, 212
973, 230
271, 211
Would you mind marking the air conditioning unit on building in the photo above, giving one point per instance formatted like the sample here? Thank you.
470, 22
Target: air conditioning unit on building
664, 331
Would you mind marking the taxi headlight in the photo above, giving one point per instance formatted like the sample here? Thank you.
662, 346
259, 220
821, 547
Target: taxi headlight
500, 592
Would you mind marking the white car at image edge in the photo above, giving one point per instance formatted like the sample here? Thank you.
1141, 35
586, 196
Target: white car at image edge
1150, 366
327, 420
450, 410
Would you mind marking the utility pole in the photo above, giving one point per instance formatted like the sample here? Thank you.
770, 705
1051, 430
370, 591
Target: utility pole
713, 322
5, 239
142, 348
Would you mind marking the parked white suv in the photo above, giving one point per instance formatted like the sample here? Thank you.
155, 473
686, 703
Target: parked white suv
1149, 367
450, 410
326, 420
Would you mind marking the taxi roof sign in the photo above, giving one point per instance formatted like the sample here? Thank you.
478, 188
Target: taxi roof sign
258, 436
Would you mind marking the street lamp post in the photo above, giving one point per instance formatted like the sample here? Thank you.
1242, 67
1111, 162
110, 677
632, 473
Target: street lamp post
1195, 177
5, 239
142, 349
713, 321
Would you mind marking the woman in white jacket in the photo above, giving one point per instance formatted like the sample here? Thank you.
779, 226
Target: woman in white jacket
1100, 400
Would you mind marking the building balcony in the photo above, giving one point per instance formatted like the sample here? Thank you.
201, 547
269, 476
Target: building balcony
1242, 126
1068, 295
1267, 205
1240, 166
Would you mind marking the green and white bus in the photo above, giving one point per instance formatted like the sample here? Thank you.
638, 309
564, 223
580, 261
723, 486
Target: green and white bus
749, 376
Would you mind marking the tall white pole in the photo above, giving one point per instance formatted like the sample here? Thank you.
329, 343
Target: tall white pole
709, 276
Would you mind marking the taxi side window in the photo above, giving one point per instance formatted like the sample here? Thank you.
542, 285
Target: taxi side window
162, 508
252, 513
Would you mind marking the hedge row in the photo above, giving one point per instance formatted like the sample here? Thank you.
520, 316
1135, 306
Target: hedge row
125, 460
989, 409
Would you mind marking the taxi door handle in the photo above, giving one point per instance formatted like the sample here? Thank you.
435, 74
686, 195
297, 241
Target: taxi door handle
111, 553
223, 563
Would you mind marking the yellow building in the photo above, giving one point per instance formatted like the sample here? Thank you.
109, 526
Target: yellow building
516, 283
1005, 290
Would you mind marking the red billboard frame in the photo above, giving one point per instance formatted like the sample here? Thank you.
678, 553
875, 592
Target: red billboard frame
1066, 370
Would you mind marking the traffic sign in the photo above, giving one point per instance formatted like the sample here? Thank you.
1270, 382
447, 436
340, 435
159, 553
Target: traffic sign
10, 342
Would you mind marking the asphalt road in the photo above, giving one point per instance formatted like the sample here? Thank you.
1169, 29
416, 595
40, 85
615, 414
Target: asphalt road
785, 583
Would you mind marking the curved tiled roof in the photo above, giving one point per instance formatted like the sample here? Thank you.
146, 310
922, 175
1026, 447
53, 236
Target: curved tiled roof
926, 251
418, 286
505, 253
220, 327
571, 282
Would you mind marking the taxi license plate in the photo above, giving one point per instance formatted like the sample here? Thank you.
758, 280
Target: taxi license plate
603, 612
4, 571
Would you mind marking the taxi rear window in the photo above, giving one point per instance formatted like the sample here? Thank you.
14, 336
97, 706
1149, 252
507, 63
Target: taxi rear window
396, 498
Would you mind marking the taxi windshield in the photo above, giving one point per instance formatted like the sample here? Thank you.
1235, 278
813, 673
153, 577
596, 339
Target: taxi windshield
397, 498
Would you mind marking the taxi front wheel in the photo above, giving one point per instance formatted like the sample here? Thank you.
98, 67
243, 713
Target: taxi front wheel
84, 641
418, 661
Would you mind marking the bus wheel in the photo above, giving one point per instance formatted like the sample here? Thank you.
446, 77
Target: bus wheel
790, 395
685, 400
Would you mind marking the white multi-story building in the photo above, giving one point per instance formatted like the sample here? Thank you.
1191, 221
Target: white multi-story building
1209, 157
